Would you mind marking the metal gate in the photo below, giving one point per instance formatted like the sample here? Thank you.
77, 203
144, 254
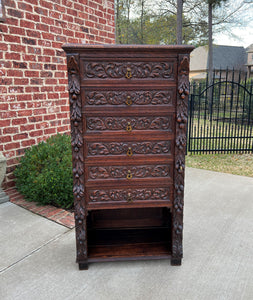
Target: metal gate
221, 115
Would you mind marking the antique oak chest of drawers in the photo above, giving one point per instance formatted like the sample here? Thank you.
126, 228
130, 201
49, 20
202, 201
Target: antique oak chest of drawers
128, 112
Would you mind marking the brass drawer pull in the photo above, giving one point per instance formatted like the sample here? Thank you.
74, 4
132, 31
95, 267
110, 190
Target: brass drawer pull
128, 73
129, 101
129, 175
129, 198
129, 152
129, 127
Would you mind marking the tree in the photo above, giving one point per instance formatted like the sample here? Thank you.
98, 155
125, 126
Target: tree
179, 21
211, 5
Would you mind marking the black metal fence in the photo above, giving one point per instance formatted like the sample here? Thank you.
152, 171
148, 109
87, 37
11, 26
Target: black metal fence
221, 114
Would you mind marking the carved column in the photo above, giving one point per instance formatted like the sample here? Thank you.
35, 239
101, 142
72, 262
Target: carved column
78, 154
180, 148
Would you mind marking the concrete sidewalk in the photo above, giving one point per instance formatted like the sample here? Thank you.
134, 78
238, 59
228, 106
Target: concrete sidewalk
38, 256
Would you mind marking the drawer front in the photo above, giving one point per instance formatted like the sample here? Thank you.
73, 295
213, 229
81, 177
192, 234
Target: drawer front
126, 98
128, 149
129, 173
129, 195
127, 69
129, 123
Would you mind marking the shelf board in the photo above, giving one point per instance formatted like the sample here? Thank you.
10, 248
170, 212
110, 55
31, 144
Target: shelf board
128, 244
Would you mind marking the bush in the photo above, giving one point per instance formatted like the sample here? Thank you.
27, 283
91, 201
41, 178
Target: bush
45, 173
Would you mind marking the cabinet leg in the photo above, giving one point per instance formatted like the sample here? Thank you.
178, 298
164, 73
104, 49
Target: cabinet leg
83, 266
175, 261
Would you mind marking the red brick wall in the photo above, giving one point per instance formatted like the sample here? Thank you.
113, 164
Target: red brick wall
33, 88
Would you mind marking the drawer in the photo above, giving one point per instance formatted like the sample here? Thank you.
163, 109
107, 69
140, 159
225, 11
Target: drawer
131, 196
129, 69
129, 173
129, 97
129, 123
128, 149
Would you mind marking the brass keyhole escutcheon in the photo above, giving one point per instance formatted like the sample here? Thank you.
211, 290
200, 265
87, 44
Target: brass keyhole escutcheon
129, 175
129, 198
128, 73
129, 101
129, 127
129, 152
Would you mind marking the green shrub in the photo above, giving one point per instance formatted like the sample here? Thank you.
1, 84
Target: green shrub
44, 174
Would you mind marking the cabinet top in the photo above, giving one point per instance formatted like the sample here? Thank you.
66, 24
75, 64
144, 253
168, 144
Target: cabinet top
120, 47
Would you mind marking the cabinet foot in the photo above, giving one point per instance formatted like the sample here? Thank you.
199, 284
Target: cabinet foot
83, 266
175, 261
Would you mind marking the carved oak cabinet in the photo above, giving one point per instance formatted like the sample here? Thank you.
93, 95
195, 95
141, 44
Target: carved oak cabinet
128, 111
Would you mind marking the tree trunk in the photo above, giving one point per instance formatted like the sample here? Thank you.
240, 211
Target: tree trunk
179, 21
210, 42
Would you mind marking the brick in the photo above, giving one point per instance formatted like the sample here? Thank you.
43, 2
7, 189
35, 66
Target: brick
46, 4
35, 119
29, 41
32, 17
28, 143
33, 33
11, 146
12, 56
16, 30
10, 130
24, 113
36, 133
12, 39
15, 13
32, 89
21, 81
19, 65
27, 24
42, 27
32, 73
47, 20
34, 50
41, 11
27, 128
20, 136
17, 48
19, 121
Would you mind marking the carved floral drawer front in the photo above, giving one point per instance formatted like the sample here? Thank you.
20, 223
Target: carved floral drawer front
129, 172
129, 123
129, 195
129, 97
162, 70
128, 148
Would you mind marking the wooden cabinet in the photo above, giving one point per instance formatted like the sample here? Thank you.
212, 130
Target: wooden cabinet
128, 112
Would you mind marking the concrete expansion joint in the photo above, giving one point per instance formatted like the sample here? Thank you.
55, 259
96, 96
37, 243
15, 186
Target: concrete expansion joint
35, 250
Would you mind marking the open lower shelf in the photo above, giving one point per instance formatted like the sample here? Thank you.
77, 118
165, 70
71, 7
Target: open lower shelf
128, 244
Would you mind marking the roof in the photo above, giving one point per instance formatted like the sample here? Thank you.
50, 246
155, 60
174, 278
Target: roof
223, 57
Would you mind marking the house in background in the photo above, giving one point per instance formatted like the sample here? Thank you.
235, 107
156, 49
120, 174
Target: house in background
224, 57
249, 51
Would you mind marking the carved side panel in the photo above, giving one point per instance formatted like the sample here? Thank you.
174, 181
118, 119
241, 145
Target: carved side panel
129, 195
121, 172
77, 153
152, 97
137, 70
135, 123
180, 147
121, 148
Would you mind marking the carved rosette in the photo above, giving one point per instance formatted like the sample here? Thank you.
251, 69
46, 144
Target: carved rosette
180, 147
77, 153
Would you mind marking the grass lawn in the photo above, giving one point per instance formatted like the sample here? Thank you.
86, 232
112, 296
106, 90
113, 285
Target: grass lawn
237, 164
